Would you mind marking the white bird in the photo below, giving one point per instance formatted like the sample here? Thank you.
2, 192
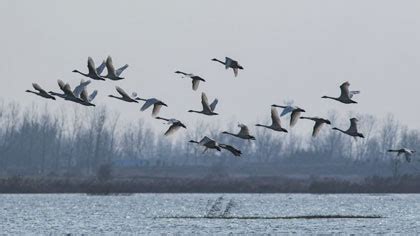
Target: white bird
195, 79
319, 122
275, 119
207, 109
346, 95
41, 92
93, 73
296, 113
407, 153
230, 63
112, 73
352, 131
208, 143
243, 133
69, 95
124, 96
157, 105
175, 125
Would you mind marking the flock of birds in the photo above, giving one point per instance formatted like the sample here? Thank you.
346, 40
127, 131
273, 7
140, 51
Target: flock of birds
80, 95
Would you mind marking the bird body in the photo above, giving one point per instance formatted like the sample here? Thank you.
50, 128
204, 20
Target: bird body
236, 152
319, 122
404, 151
124, 96
275, 122
346, 95
195, 79
41, 92
296, 113
207, 109
112, 73
352, 131
93, 73
208, 143
230, 63
174, 125
243, 133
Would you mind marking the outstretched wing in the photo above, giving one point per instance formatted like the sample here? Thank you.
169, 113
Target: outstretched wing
91, 66
37, 87
214, 104
345, 92
233, 150
122, 92
110, 66
92, 95
156, 109
172, 129
353, 125
286, 110
101, 67
244, 130
205, 140
205, 103
294, 118
79, 88
67, 90
195, 83
84, 95
275, 117
228, 62
352, 93
148, 103
317, 128
120, 70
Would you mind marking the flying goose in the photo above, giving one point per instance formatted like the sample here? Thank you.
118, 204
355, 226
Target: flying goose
208, 143
319, 122
352, 131
346, 95
124, 96
41, 92
207, 109
275, 119
195, 79
243, 133
236, 152
112, 73
93, 73
407, 153
175, 125
296, 112
230, 63
157, 105
288, 108
69, 95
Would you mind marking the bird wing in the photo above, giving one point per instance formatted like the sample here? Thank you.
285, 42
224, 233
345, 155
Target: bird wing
120, 70
61, 84
214, 104
91, 66
92, 95
172, 129
228, 62
148, 103
110, 66
101, 68
352, 93
244, 130
79, 88
235, 71
156, 109
84, 95
195, 83
205, 103
205, 140
122, 92
294, 118
345, 92
275, 117
67, 90
353, 126
37, 87
317, 128
286, 110
232, 149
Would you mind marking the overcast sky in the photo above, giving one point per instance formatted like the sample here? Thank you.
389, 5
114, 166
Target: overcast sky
291, 50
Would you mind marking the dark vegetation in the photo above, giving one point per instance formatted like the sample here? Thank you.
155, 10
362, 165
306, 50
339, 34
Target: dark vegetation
91, 151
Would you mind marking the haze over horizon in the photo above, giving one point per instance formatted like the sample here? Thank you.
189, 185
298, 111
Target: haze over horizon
289, 50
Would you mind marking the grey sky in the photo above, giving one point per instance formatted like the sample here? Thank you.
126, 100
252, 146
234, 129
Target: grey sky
296, 50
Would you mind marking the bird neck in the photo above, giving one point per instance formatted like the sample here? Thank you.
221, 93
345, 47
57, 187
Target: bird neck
215, 59
76, 71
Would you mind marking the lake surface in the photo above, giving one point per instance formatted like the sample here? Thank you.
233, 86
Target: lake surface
208, 213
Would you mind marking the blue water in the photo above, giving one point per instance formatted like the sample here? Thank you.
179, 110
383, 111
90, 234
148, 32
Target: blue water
207, 213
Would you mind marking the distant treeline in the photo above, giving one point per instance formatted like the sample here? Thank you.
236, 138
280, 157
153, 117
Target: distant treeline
403, 184
82, 142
